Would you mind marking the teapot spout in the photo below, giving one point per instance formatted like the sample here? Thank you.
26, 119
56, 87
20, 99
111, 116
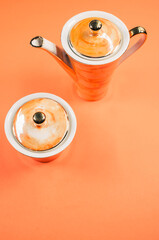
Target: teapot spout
59, 54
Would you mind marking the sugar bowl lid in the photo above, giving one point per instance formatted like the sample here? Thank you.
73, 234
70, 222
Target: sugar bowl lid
95, 37
40, 124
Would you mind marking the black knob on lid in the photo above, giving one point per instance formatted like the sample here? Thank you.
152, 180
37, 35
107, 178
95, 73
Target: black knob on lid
95, 25
39, 117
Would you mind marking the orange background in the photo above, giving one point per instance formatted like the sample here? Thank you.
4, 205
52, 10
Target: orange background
107, 185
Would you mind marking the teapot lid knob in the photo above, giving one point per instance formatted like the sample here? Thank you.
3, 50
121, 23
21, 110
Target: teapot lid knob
95, 25
39, 117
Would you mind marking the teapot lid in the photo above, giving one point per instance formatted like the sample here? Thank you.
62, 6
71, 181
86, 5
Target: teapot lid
40, 124
95, 37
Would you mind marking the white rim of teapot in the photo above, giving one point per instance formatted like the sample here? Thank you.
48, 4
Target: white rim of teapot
46, 153
88, 60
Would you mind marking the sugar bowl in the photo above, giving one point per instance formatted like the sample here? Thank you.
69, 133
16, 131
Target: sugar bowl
40, 126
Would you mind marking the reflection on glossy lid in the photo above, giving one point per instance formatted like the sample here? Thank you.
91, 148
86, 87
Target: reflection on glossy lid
95, 37
40, 124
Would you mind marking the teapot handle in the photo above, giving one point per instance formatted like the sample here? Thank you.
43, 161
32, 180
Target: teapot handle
137, 45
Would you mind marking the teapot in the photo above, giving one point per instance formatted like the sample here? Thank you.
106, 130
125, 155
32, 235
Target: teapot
94, 44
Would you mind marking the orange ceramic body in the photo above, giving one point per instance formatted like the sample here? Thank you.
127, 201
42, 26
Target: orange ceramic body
92, 81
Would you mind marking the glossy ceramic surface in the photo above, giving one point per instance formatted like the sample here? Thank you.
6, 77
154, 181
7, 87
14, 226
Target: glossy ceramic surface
95, 43
92, 82
42, 136
114, 21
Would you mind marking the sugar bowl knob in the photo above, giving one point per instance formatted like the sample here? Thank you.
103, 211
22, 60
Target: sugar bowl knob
39, 117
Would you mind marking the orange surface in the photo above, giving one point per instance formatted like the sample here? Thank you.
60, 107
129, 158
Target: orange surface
106, 186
